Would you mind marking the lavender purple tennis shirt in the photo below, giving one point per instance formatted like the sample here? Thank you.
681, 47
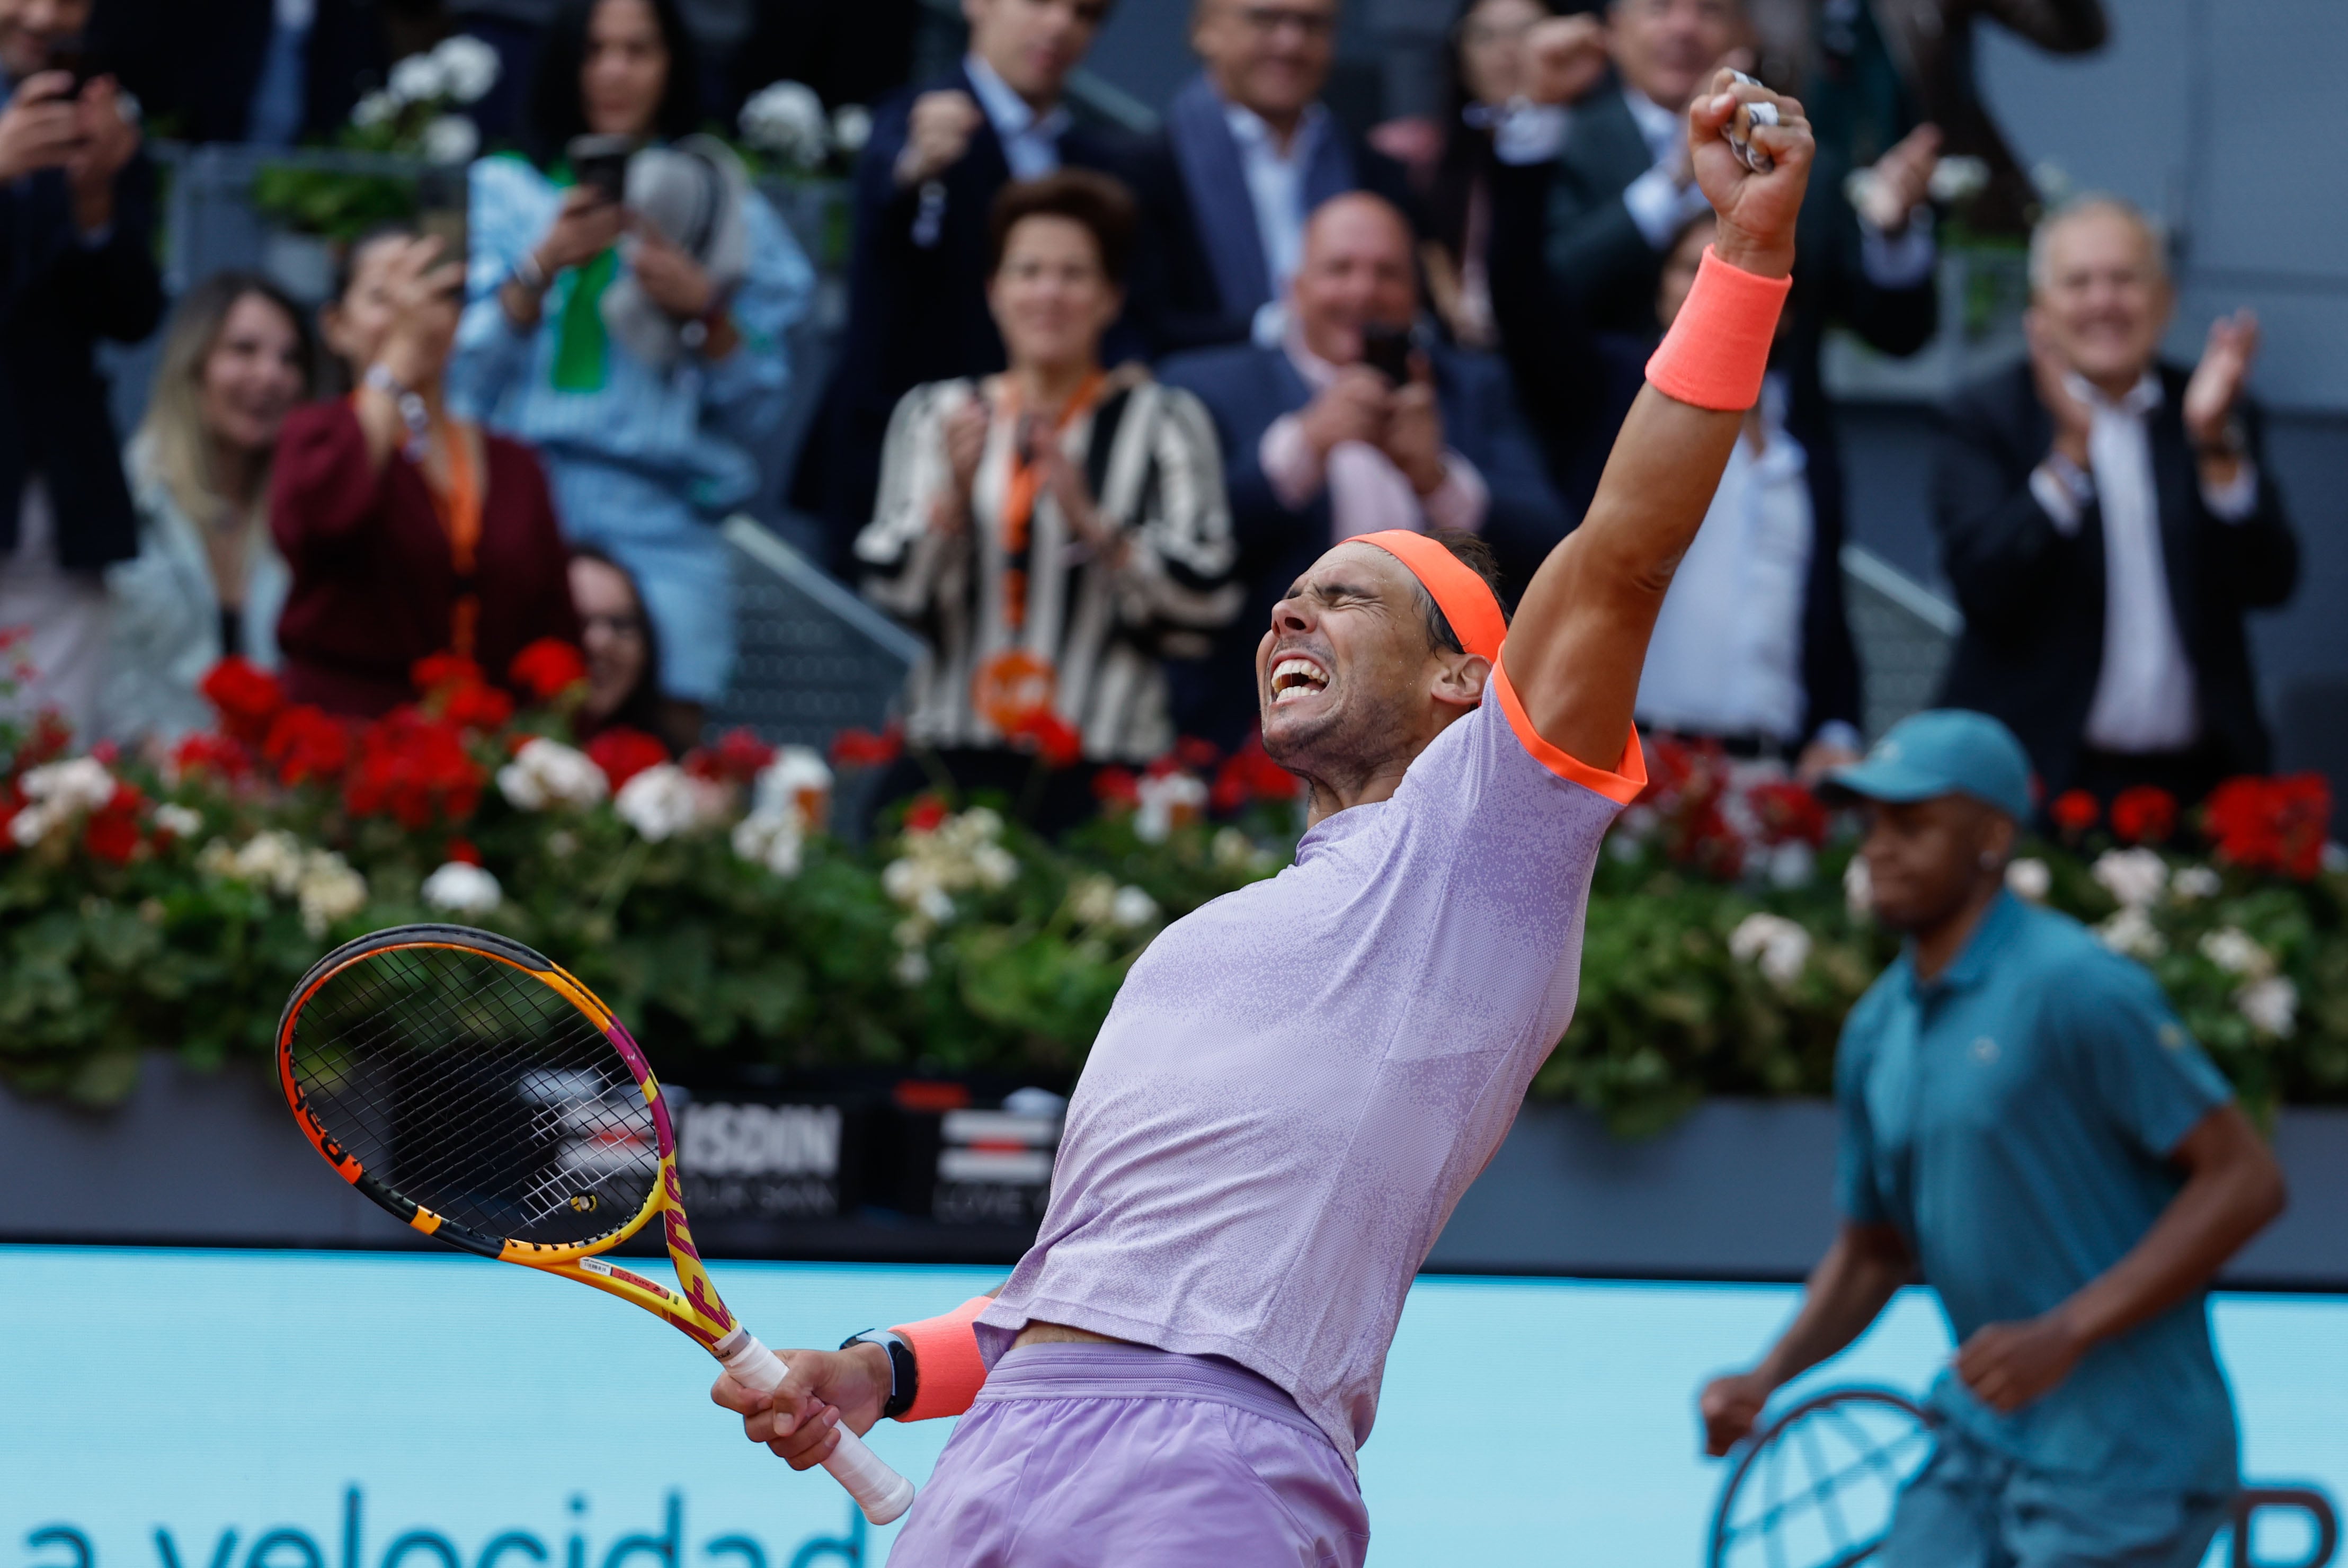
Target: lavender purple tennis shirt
1299, 1080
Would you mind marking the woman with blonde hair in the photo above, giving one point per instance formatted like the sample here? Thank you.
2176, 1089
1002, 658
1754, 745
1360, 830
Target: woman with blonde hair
206, 582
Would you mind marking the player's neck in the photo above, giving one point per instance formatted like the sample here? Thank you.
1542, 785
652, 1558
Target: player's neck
1938, 945
1326, 797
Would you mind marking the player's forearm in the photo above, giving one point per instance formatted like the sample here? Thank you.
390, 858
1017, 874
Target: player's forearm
1852, 1284
2219, 1208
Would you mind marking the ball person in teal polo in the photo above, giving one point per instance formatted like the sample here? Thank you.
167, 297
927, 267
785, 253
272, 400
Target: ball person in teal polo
2027, 1124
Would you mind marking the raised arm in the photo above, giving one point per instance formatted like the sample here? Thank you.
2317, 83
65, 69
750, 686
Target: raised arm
1579, 637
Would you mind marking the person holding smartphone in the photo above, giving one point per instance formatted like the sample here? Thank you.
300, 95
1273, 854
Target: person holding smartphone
1349, 427
647, 373
77, 203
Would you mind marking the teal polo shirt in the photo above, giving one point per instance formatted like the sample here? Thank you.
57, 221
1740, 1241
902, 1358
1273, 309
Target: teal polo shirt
2014, 1120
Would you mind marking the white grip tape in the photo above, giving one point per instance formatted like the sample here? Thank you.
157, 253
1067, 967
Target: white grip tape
880, 1491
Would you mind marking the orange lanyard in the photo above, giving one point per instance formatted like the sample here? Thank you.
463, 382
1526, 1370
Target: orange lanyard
1019, 491
459, 511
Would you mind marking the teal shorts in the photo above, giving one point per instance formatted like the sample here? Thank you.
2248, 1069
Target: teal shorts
1973, 1507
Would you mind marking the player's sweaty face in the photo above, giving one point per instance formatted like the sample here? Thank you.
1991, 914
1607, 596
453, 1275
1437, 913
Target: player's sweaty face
1343, 666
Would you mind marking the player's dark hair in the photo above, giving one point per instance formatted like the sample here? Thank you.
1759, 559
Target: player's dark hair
1102, 206
1476, 556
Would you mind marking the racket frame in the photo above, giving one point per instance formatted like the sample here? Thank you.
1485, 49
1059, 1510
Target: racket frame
697, 1309
1755, 1446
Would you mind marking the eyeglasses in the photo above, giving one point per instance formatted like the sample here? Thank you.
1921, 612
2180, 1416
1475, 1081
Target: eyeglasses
1273, 19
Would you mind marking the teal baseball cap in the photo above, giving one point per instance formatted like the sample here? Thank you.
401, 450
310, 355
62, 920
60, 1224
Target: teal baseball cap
1941, 751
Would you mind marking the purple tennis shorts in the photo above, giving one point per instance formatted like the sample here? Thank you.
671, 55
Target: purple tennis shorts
1081, 1456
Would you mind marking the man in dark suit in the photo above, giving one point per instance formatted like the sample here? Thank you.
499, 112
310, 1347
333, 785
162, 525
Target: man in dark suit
917, 279
2106, 521
76, 263
242, 70
1247, 152
1318, 445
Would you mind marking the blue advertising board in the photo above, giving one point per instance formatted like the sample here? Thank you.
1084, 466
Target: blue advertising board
165, 1409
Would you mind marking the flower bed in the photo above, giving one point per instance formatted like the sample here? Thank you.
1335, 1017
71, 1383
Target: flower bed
173, 902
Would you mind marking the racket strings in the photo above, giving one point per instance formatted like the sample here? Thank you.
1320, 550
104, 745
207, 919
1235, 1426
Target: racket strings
1809, 1487
478, 1091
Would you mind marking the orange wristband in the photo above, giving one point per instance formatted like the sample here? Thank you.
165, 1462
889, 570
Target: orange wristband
1718, 348
945, 1360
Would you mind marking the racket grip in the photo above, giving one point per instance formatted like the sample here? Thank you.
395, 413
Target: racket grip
879, 1491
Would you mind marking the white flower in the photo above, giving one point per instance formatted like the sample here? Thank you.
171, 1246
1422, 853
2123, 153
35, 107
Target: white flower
1234, 850
659, 802
2132, 933
912, 966
1779, 947
787, 120
1169, 801
462, 889
1132, 908
417, 79
548, 773
1791, 865
851, 128
1958, 178
378, 107
798, 781
2237, 952
451, 138
1093, 900
328, 890
770, 838
2272, 1005
2135, 877
2029, 879
2195, 883
995, 867
272, 859
80, 784
179, 821
468, 68
1858, 891
2334, 858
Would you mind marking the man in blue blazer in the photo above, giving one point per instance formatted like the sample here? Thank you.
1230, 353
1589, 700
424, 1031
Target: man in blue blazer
1247, 152
917, 278
1318, 445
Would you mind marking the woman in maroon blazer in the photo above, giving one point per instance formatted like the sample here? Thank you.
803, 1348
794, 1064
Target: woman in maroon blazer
410, 533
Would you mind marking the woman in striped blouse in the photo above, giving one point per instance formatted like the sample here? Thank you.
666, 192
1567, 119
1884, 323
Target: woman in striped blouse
1054, 533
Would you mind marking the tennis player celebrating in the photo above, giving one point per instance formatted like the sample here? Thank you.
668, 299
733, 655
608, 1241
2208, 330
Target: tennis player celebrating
1299, 1080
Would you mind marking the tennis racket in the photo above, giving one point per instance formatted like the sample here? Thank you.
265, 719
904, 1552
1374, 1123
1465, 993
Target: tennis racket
1816, 1488
485, 1098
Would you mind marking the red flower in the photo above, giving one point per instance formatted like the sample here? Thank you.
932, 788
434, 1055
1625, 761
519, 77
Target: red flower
2270, 824
863, 749
51, 734
206, 753
1248, 775
247, 697
1198, 755
2145, 814
470, 705
1116, 787
547, 668
112, 833
307, 744
462, 851
623, 753
2074, 811
736, 758
1788, 814
924, 814
413, 768
434, 671
1050, 736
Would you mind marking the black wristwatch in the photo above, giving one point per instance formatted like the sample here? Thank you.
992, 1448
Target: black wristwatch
904, 1372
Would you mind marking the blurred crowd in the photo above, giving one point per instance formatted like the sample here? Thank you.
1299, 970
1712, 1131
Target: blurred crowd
1101, 396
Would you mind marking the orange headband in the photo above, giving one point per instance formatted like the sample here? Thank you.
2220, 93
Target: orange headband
1465, 600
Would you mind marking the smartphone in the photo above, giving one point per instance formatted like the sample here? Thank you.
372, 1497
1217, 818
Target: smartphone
441, 195
599, 163
74, 56
1386, 350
